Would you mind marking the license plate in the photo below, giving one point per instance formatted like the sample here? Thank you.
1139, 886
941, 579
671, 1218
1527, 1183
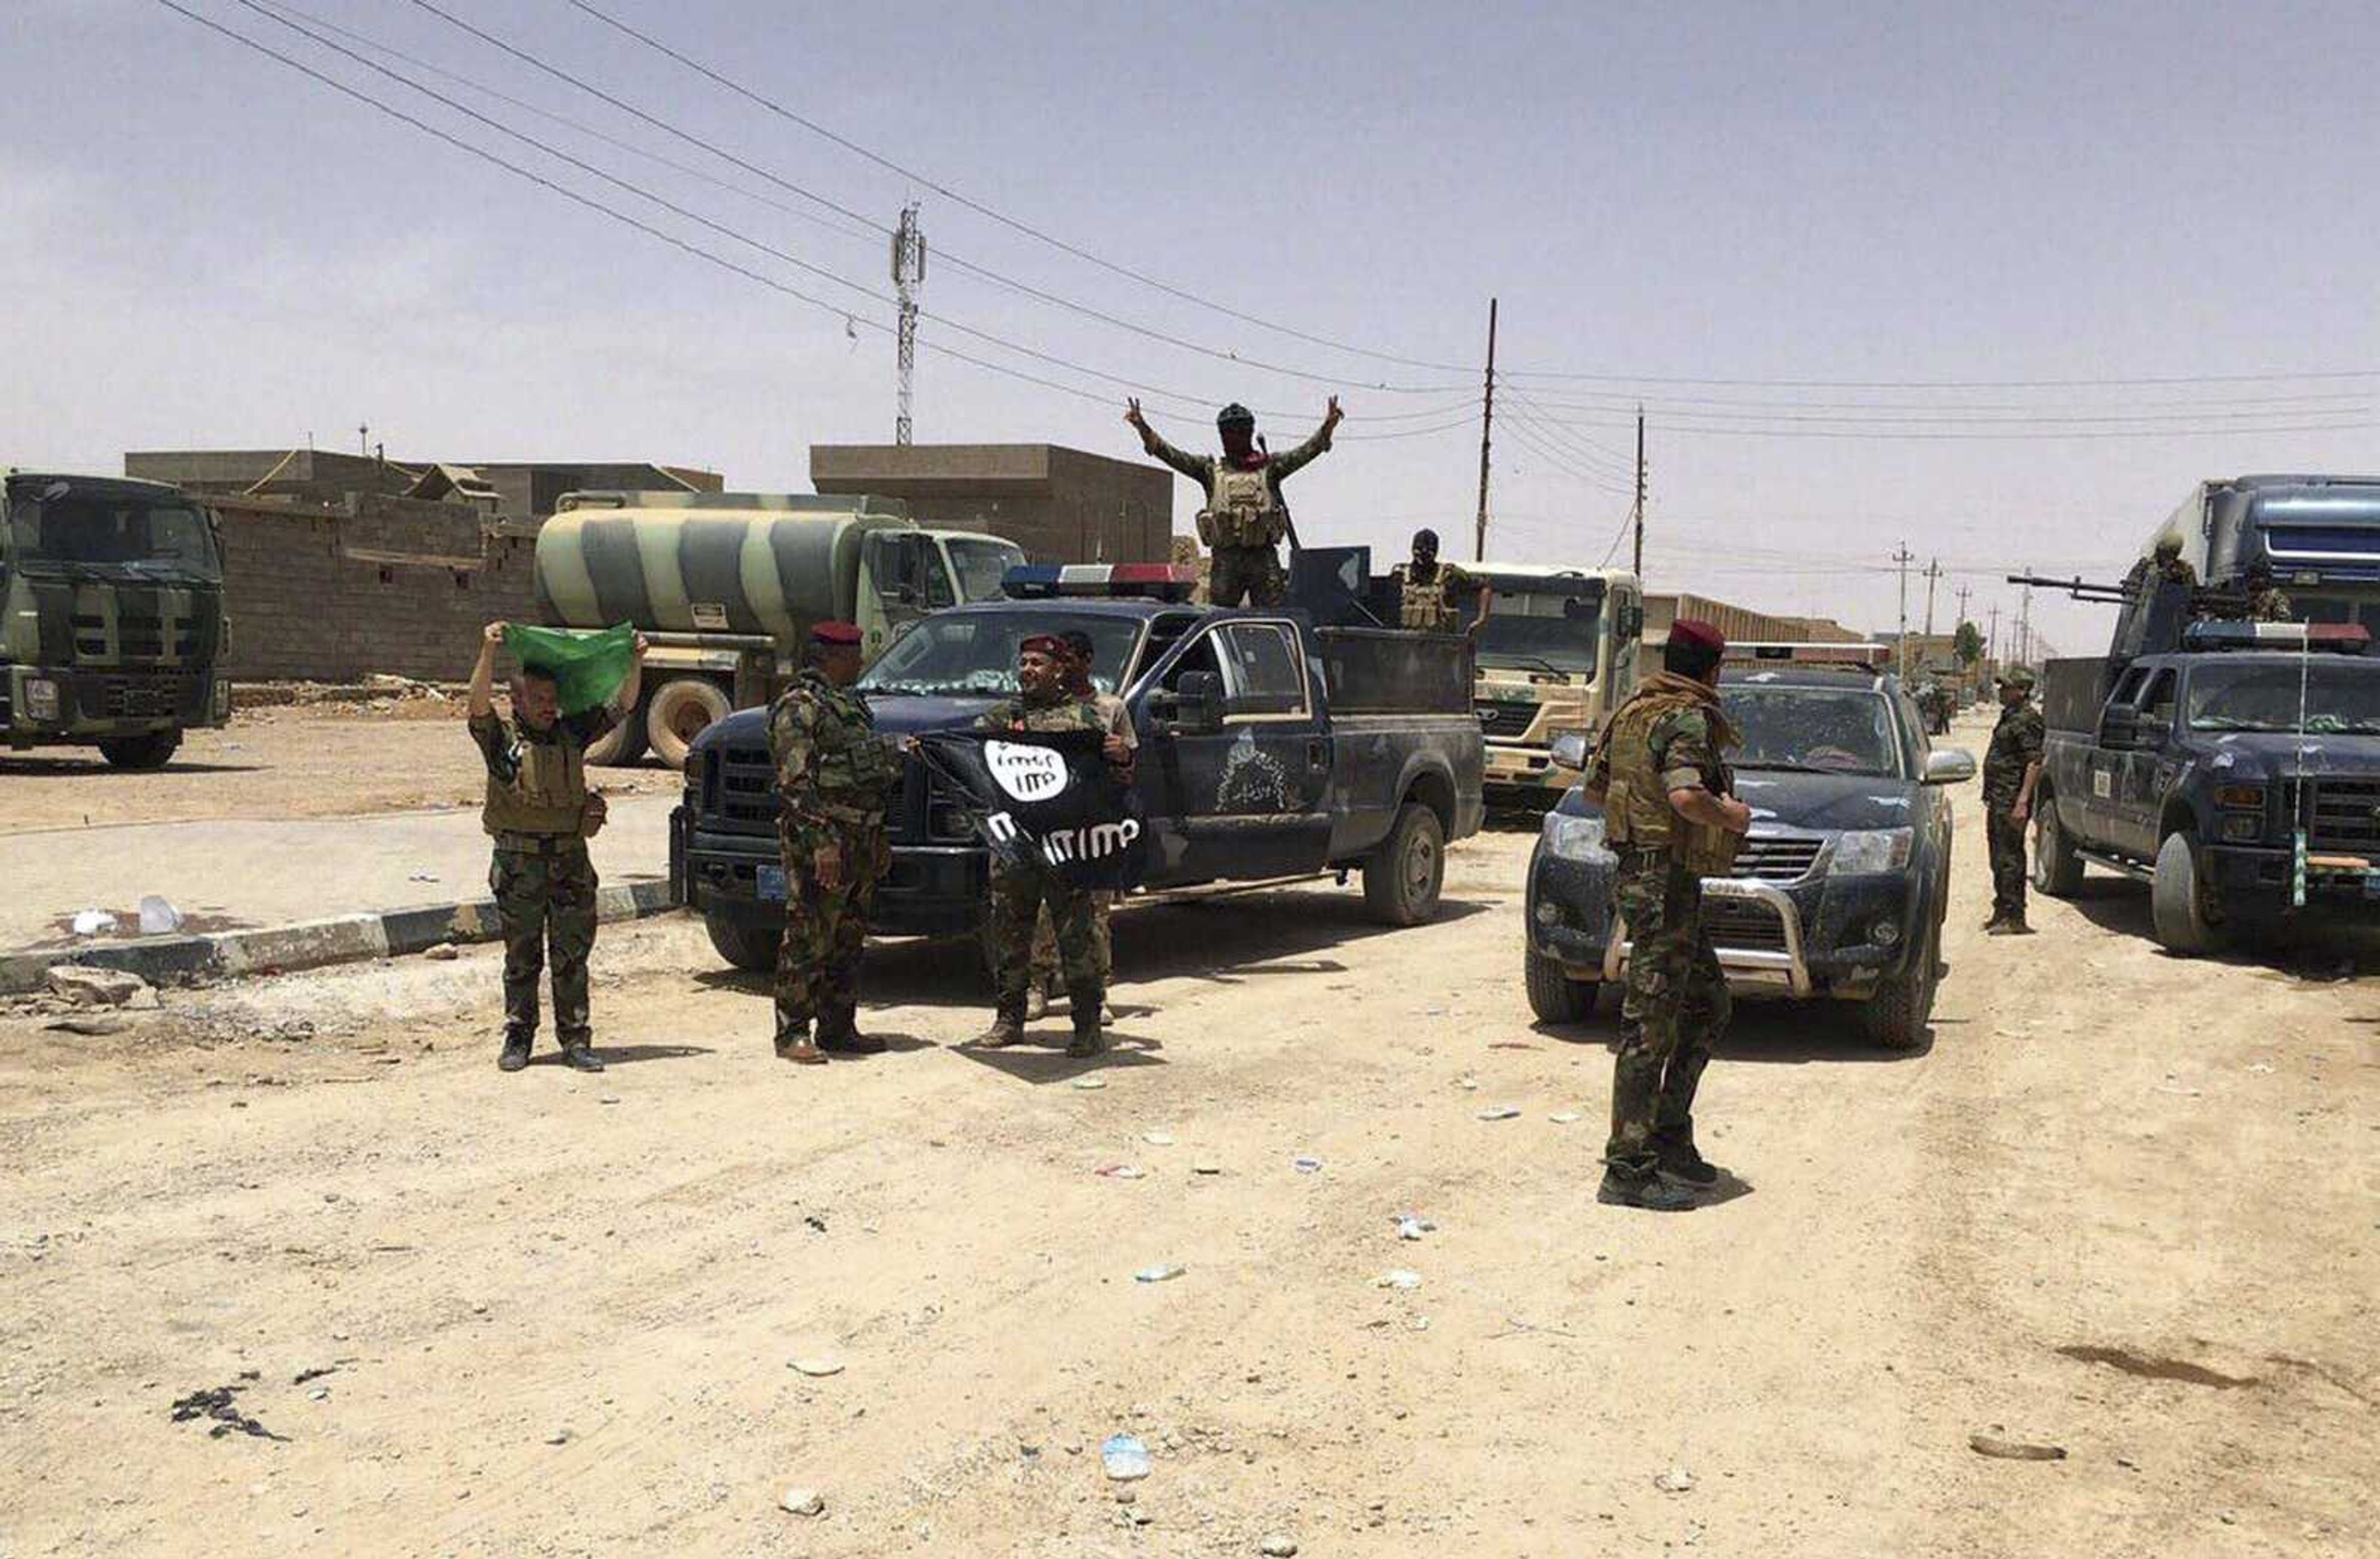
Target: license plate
771, 880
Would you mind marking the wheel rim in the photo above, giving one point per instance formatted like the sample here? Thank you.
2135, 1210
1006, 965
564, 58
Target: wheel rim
2045, 847
1421, 868
687, 719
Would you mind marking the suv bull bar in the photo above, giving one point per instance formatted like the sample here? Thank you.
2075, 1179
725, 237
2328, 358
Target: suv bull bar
1749, 966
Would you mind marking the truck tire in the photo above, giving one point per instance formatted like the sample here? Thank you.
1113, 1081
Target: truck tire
622, 745
749, 947
678, 712
151, 751
1554, 997
1403, 877
2056, 870
1895, 1016
2178, 904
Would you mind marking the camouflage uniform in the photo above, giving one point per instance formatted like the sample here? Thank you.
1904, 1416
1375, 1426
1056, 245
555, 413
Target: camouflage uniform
1428, 606
2016, 746
1666, 737
2270, 605
1243, 519
1117, 722
544, 881
832, 775
1019, 893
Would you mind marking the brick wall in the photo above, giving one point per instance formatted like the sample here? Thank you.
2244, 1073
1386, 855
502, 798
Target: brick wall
379, 585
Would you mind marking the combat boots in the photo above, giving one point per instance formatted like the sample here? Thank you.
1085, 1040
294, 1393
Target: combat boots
2008, 925
839, 1031
1681, 1164
794, 1044
1650, 1192
514, 1054
1085, 1001
1007, 1026
1037, 1002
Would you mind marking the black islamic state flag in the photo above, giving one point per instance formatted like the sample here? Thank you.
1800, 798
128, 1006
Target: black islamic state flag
1046, 800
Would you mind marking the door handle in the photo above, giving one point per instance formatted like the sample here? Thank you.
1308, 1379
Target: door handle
1318, 753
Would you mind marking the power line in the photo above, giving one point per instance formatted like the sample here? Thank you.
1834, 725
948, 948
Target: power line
1553, 456
1620, 401
1585, 448
2154, 381
2011, 434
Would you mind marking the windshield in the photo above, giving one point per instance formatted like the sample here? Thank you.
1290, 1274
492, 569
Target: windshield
1824, 730
981, 564
961, 654
1538, 631
112, 530
2339, 696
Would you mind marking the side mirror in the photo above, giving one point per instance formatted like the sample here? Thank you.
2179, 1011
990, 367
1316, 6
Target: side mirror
2120, 728
1949, 765
1569, 751
1195, 705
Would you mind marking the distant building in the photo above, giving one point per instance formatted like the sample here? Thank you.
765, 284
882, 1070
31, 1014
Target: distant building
1740, 623
1060, 505
522, 493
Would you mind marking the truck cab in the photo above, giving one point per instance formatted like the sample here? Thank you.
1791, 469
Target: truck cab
2320, 535
1557, 654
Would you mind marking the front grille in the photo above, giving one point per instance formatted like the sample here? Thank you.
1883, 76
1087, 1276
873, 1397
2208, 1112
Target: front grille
1743, 924
1775, 860
2346, 815
745, 795
137, 638
1507, 721
123, 699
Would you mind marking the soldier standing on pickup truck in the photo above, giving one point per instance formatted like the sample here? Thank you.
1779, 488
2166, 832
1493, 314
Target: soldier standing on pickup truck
1048, 979
1244, 518
2012, 768
833, 775
1427, 589
1019, 892
2267, 603
1669, 816
540, 813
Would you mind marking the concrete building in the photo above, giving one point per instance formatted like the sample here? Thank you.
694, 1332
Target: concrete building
1060, 505
522, 493
1739, 623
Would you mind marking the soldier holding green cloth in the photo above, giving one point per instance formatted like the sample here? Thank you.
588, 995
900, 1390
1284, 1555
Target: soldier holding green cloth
539, 811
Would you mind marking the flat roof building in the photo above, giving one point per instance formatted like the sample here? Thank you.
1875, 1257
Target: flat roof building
1060, 504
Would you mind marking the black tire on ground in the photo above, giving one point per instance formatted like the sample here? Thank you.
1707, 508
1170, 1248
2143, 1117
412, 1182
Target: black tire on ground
151, 751
1895, 1016
750, 947
677, 712
1554, 997
2178, 905
1403, 877
622, 745
2056, 870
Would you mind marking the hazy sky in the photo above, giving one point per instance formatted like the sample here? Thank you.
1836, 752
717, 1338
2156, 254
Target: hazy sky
206, 249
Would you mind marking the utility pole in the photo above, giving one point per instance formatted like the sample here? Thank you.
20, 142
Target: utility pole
2025, 625
1901, 638
1962, 608
1486, 427
1640, 498
1933, 572
908, 274
1992, 639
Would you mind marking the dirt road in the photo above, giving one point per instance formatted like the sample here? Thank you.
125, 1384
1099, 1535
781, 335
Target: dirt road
2122, 1205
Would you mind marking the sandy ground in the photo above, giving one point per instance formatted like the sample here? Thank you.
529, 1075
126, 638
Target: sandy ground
2122, 1204
307, 762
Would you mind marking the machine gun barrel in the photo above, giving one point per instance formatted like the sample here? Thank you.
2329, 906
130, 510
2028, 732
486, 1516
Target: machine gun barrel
2079, 588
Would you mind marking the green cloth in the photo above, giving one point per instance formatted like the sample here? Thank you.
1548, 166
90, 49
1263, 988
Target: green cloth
589, 666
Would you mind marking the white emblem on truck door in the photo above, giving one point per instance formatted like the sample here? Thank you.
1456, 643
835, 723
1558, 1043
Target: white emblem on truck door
2099, 783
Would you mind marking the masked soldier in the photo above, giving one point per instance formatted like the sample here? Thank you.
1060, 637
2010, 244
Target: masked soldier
1669, 816
833, 775
1426, 590
1244, 518
1019, 892
1117, 722
2266, 603
540, 813
2011, 767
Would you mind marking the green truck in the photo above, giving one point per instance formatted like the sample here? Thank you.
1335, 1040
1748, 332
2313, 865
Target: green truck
112, 626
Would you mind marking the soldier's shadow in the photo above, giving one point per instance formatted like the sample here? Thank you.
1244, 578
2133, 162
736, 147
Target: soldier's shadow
1042, 1060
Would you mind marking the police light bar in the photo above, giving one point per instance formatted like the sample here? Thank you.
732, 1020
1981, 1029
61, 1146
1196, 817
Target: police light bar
2340, 639
1151, 581
1808, 653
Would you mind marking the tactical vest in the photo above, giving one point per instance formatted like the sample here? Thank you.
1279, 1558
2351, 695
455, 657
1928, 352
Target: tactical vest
1422, 608
549, 794
1242, 509
851, 768
1636, 811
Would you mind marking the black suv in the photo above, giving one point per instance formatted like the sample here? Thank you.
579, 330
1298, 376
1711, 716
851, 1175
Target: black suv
1841, 885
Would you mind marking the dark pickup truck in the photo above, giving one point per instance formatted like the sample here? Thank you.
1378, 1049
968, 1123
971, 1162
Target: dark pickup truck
2239, 777
1841, 885
1269, 747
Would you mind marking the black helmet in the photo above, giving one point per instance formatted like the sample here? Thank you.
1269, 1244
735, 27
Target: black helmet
1425, 535
1235, 416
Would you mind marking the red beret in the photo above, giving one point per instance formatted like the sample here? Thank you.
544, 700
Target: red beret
1047, 643
834, 633
1692, 632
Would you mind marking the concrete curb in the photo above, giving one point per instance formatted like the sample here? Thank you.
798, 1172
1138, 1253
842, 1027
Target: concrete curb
345, 939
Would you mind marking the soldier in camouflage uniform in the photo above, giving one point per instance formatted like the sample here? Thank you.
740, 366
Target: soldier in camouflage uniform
1427, 589
1671, 819
540, 813
1020, 891
1048, 978
1244, 518
2011, 767
2266, 602
833, 775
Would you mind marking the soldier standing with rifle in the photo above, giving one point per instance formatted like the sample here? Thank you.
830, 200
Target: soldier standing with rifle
1244, 518
2012, 768
1670, 814
832, 775
1427, 589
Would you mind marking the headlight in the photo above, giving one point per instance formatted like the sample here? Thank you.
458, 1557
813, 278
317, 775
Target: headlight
1863, 851
41, 698
1570, 836
2244, 796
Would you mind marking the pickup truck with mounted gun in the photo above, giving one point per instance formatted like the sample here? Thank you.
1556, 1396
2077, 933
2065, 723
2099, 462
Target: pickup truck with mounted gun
1272, 746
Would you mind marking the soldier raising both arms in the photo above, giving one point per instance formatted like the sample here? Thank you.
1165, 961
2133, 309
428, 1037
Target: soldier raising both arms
540, 813
833, 775
1243, 519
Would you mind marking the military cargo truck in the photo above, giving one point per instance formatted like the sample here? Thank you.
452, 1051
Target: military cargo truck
111, 616
1557, 654
726, 585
